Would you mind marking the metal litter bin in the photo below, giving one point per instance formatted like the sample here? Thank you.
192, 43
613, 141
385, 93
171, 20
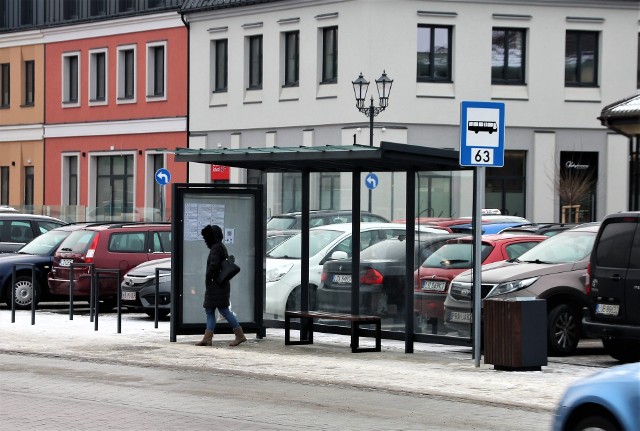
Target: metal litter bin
515, 333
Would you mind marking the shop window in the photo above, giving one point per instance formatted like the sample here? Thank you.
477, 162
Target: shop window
575, 183
505, 187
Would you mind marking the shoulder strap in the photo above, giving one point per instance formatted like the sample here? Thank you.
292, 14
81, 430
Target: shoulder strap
224, 249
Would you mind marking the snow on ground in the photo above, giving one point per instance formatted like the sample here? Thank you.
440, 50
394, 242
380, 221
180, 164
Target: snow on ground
433, 369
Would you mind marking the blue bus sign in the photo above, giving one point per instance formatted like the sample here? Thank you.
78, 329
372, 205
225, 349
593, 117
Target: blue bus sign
163, 176
482, 134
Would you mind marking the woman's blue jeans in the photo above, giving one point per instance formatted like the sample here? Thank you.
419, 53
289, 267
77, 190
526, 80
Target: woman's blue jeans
211, 317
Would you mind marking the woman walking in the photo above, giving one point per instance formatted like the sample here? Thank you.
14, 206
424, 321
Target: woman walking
217, 295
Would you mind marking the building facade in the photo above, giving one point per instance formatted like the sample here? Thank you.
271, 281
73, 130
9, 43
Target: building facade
279, 73
109, 106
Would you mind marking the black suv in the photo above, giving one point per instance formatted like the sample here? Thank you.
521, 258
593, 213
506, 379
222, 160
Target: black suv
319, 218
613, 286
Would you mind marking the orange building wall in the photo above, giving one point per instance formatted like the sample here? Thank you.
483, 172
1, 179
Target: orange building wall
17, 113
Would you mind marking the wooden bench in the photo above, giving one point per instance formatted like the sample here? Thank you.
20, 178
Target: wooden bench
355, 319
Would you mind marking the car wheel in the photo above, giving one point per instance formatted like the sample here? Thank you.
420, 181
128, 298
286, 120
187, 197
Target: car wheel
563, 323
595, 423
293, 302
622, 350
162, 313
23, 293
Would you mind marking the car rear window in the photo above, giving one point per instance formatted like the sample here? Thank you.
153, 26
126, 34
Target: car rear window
127, 242
455, 256
161, 242
281, 223
77, 242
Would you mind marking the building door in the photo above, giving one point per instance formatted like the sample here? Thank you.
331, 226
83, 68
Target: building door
114, 196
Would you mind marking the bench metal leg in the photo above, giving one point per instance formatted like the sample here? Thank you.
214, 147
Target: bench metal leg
306, 331
355, 337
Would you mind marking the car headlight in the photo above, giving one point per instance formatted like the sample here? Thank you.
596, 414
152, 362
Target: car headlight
511, 286
277, 273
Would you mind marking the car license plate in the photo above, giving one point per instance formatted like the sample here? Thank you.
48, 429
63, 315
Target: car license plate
437, 286
339, 278
129, 296
66, 262
607, 309
459, 317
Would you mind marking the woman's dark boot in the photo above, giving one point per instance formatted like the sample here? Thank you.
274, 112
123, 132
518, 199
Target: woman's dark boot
240, 338
206, 339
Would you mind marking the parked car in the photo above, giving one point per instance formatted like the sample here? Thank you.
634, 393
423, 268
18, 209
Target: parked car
17, 229
613, 286
39, 252
554, 270
490, 226
382, 276
139, 288
275, 237
319, 218
433, 277
546, 229
325, 243
606, 401
109, 246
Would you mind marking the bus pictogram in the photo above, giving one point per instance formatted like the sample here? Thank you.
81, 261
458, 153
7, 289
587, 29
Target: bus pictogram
482, 126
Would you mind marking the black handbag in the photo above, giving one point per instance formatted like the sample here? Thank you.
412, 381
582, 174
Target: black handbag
228, 268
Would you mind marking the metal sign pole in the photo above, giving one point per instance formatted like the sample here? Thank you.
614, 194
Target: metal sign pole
477, 264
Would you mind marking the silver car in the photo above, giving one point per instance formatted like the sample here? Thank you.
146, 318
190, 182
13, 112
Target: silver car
139, 287
553, 270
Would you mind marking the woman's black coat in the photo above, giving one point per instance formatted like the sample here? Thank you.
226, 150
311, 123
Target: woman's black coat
216, 295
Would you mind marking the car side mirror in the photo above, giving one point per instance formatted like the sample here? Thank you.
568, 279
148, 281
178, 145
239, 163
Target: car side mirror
337, 255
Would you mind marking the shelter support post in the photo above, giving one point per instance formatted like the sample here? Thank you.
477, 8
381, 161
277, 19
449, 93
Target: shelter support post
410, 246
355, 242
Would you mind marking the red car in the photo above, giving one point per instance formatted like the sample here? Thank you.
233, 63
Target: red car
432, 278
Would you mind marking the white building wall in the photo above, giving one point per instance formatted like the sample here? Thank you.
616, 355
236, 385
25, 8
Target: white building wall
617, 168
379, 35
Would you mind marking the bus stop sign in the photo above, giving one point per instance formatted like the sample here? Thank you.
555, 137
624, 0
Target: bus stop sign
482, 134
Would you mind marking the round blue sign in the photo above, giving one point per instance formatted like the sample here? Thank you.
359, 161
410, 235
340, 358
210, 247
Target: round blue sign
163, 176
371, 181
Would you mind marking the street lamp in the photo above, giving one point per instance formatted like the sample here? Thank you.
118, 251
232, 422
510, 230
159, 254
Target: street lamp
360, 87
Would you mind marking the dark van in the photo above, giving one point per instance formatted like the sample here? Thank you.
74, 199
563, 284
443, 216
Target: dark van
613, 286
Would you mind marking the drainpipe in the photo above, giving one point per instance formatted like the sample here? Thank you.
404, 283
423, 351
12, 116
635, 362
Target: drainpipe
186, 24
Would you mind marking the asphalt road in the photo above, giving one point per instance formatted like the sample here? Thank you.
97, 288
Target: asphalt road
45, 393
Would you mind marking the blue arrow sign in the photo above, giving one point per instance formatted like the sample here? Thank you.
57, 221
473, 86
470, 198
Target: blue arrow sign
163, 176
371, 181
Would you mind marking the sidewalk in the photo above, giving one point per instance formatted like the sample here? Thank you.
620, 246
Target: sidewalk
438, 370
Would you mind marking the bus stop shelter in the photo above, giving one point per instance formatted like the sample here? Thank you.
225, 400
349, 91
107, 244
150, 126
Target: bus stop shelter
388, 157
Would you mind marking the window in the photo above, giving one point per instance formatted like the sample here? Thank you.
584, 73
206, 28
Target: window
329, 191
156, 66
26, 12
220, 65
70, 180
126, 5
434, 53
505, 187
97, 7
638, 85
70, 9
130, 242
581, 59
29, 82
155, 3
115, 184
507, 56
291, 192
98, 76
330, 55
161, 242
3, 15
4, 185
292, 58
5, 97
126, 73
28, 185
70, 76
614, 244
255, 62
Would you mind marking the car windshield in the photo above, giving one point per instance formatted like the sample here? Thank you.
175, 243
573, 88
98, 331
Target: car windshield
46, 243
318, 239
281, 223
568, 246
455, 256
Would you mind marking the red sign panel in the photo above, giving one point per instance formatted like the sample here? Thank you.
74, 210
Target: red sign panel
219, 172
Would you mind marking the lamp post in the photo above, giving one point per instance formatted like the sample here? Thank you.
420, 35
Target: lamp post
360, 87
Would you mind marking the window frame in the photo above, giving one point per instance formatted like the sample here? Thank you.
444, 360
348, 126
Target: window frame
220, 65
505, 80
291, 69
5, 85
431, 77
329, 57
29, 98
95, 76
123, 78
154, 93
255, 62
70, 171
29, 185
5, 179
579, 54
71, 78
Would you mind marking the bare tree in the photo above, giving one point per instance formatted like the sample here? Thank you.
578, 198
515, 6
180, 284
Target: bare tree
573, 186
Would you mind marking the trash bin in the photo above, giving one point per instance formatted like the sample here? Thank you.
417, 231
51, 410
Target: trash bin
515, 333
